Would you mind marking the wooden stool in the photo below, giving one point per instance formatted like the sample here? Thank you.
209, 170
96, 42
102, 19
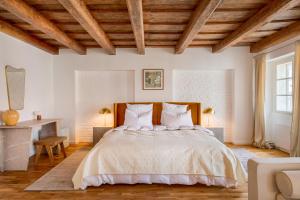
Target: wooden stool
49, 143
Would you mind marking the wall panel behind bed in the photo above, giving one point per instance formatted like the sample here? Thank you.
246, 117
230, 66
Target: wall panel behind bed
98, 89
210, 87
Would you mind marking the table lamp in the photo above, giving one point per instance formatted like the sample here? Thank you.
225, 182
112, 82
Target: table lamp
105, 112
209, 111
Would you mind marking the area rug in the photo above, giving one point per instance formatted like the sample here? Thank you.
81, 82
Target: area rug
243, 155
60, 177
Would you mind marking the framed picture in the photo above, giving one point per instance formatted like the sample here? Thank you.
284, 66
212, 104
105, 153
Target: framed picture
153, 79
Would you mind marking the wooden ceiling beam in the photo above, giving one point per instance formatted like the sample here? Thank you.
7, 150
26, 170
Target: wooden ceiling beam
25, 37
33, 17
263, 16
288, 33
79, 10
202, 13
135, 10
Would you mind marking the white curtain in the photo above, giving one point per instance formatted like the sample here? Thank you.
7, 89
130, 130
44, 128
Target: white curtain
259, 109
295, 130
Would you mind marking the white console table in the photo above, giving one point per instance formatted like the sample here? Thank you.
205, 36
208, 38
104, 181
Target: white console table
16, 142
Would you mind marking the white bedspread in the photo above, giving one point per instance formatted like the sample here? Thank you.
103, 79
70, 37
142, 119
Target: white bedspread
135, 156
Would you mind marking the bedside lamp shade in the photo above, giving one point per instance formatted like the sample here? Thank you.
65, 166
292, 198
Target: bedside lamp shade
209, 110
104, 111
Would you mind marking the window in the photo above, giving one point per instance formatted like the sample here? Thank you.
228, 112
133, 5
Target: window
284, 87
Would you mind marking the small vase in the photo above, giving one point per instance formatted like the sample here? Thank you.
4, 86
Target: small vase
10, 117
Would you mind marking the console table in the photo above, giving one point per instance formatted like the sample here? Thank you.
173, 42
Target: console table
16, 142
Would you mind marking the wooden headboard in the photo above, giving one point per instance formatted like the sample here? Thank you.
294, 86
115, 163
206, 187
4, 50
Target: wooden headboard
119, 111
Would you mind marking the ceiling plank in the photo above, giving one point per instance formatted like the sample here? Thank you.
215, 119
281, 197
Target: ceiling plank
203, 11
33, 17
79, 10
135, 10
290, 32
25, 37
263, 16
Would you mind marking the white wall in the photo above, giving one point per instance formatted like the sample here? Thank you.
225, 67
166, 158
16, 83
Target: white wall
95, 90
213, 88
38, 84
237, 59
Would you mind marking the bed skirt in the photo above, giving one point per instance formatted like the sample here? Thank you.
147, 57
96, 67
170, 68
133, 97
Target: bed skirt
157, 178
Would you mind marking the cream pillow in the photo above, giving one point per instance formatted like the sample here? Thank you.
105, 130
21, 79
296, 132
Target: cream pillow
288, 183
172, 108
140, 108
135, 121
174, 120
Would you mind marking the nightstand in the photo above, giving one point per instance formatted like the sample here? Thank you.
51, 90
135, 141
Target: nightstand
98, 133
219, 133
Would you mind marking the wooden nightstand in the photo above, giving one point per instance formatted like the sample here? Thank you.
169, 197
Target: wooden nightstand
98, 133
219, 133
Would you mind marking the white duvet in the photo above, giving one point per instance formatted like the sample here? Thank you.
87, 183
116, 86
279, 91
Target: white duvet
123, 156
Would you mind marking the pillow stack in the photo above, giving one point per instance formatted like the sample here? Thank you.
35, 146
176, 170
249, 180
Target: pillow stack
138, 117
175, 116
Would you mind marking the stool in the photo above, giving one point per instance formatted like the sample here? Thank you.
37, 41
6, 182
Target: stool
49, 143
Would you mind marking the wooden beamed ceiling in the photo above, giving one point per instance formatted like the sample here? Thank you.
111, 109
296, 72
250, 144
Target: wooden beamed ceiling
78, 9
135, 10
179, 24
202, 13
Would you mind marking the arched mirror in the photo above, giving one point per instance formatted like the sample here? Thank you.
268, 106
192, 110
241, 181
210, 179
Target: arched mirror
15, 79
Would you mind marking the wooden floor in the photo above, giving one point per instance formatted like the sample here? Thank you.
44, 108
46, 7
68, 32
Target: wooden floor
12, 185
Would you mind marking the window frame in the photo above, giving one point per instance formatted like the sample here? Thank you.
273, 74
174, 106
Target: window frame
274, 64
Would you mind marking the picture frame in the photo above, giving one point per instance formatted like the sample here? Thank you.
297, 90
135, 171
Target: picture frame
153, 79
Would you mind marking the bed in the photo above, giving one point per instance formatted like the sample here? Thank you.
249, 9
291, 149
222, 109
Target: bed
159, 156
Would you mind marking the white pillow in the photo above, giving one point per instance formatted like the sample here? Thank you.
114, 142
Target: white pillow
136, 121
174, 108
177, 120
140, 108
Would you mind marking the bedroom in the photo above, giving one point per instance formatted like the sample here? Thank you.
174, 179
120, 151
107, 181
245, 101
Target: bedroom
201, 52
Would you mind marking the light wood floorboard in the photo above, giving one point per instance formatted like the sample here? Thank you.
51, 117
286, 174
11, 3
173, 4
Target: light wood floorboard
12, 184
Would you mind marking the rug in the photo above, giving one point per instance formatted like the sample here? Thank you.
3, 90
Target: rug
60, 177
243, 155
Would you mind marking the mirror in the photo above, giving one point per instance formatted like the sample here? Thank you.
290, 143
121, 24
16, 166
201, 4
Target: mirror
15, 80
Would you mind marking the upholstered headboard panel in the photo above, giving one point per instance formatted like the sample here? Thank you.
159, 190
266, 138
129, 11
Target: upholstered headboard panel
119, 111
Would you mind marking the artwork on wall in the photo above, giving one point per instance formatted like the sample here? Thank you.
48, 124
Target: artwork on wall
153, 79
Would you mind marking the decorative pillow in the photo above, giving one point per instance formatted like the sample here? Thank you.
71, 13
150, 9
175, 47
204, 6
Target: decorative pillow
135, 121
140, 108
288, 183
172, 108
175, 120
